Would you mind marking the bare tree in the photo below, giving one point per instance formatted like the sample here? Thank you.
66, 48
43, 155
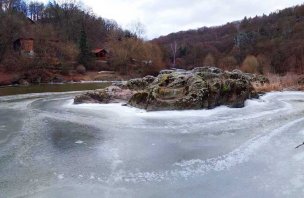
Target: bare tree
20, 6
6, 5
36, 10
138, 29
174, 51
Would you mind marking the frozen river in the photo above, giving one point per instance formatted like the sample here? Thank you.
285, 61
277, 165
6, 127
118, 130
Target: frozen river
52, 148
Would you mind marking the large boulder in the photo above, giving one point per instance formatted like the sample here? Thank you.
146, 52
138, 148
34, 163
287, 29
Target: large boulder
140, 83
111, 94
254, 78
200, 88
197, 89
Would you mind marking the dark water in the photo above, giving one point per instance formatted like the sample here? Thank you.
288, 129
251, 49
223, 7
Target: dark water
14, 90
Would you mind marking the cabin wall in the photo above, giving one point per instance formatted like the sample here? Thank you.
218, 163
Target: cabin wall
27, 45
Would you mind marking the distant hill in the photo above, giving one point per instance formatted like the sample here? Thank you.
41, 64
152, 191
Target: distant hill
276, 41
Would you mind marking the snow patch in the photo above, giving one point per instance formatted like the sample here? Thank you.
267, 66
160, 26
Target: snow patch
60, 176
299, 157
298, 181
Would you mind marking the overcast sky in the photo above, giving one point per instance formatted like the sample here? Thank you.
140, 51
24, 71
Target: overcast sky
162, 17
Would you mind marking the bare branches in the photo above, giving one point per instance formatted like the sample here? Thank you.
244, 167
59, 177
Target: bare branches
174, 50
137, 29
300, 145
36, 10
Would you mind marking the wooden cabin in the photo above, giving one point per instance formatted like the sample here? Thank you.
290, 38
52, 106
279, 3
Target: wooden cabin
100, 54
25, 46
24, 43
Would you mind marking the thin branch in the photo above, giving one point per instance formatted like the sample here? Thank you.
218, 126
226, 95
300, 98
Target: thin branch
300, 145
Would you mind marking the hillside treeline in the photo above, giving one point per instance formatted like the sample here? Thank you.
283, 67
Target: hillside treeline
64, 35
273, 43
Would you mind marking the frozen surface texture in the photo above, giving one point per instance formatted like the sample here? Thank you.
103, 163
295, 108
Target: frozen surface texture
52, 148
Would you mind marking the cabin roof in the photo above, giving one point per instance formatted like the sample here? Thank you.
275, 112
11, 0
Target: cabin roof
23, 38
98, 50
30, 20
26, 38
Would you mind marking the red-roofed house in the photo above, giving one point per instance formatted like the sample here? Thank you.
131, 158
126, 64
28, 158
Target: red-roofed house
100, 53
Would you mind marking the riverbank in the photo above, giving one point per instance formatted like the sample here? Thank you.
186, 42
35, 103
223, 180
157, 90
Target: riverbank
16, 78
287, 82
52, 88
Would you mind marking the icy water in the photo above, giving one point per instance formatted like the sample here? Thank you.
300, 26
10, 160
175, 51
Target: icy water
13, 90
52, 148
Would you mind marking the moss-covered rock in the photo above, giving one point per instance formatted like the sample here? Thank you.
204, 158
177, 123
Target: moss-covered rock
110, 94
139, 83
204, 87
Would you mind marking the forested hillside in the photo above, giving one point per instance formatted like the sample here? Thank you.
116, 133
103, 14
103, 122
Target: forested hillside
273, 43
40, 40
61, 37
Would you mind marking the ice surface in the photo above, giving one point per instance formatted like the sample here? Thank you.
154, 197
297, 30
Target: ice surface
128, 152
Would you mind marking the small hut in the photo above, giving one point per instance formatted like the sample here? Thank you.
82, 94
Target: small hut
100, 54
24, 43
25, 46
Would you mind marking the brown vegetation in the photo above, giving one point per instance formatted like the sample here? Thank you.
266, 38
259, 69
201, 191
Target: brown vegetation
134, 55
250, 64
64, 35
276, 41
209, 60
289, 81
56, 38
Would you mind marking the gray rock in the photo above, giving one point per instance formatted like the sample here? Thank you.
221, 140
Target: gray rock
111, 94
168, 71
204, 87
23, 82
208, 69
140, 83
58, 79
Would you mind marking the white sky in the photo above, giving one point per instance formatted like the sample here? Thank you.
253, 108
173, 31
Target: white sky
162, 17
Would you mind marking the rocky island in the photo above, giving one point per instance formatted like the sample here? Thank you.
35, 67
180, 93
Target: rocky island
200, 88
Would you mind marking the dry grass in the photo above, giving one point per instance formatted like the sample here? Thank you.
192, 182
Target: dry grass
280, 83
